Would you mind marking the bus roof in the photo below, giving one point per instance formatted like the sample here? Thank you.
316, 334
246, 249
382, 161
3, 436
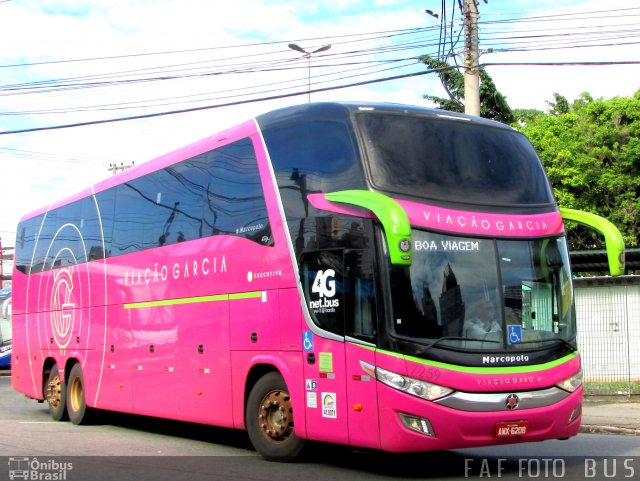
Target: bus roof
338, 110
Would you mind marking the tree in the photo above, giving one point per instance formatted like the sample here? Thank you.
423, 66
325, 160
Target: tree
493, 105
591, 151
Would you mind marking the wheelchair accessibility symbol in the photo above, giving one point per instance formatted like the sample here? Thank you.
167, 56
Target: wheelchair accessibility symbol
307, 341
515, 334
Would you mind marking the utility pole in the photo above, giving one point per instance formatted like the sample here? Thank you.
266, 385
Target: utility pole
114, 168
471, 59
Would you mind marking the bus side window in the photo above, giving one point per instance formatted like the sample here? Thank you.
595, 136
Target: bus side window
360, 294
339, 287
91, 232
26, 243
234, 198
322, 278
105, 201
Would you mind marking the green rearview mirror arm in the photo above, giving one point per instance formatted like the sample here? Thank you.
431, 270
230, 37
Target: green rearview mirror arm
613, 239
391, 215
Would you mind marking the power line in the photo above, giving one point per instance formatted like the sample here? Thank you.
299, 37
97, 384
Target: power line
381, 66
47, 156
561, 64
317, 90
228, 104
370, 57
382, 33
237, 68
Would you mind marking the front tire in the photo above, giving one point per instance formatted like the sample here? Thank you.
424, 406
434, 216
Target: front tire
77, 408
269, 420
56, 394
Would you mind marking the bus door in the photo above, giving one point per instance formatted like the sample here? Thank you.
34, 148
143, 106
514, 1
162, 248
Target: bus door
341, 403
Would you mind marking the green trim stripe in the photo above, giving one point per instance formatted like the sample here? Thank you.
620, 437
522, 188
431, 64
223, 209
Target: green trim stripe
481, 370
194, 300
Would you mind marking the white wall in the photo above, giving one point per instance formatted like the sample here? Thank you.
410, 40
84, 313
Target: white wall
608, 319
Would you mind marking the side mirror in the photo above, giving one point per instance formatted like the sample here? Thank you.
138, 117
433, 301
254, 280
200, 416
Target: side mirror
612, 237
391, 215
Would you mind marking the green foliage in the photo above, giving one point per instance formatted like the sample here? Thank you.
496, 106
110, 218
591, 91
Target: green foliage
591, 151
453, 83
493, 105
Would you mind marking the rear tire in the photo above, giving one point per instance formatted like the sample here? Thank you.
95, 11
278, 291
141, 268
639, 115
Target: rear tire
55, 394
269, 420
77, 408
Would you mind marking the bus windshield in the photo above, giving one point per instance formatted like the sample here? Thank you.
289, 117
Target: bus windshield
431, 156
484, 294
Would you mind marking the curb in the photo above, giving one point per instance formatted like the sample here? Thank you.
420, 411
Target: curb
597, 429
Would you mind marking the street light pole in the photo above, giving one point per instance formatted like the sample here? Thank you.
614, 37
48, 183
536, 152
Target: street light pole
307, 55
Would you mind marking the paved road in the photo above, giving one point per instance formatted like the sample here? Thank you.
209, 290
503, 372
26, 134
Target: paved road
135, 448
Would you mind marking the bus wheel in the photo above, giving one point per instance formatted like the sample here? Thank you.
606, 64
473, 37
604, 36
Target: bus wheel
269, 419
76, 405
55, 392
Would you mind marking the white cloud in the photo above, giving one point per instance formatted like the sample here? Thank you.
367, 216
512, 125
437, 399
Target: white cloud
532, 86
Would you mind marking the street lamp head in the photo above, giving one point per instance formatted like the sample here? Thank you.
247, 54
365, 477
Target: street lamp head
324, 48
297, 48
430, 12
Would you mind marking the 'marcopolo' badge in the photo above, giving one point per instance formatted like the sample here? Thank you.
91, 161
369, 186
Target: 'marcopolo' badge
512, 401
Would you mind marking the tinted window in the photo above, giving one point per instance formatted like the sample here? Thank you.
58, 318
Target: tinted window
134, 205
106, 201
311, 157
218, 192
484, 293
318, 153
322, 277
62, 232
91, 229
66, 236
26, 242
444, 160
185, 197
234, 199
360, 294
340, 291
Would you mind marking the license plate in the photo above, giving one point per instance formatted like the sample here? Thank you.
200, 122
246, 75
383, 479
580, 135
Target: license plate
511, 428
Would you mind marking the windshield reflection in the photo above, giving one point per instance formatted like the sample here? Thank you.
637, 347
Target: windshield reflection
483, 294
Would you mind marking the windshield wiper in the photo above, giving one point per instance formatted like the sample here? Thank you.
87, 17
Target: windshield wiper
554, 339
433, 344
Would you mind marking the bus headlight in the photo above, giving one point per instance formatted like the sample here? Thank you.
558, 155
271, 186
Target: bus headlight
415, 387
571, 383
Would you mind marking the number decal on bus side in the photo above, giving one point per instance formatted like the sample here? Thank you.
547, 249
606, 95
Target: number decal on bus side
425, 373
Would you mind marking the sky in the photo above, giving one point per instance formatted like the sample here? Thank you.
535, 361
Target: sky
66, 62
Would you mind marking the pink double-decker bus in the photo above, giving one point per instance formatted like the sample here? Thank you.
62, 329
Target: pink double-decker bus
381, 276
